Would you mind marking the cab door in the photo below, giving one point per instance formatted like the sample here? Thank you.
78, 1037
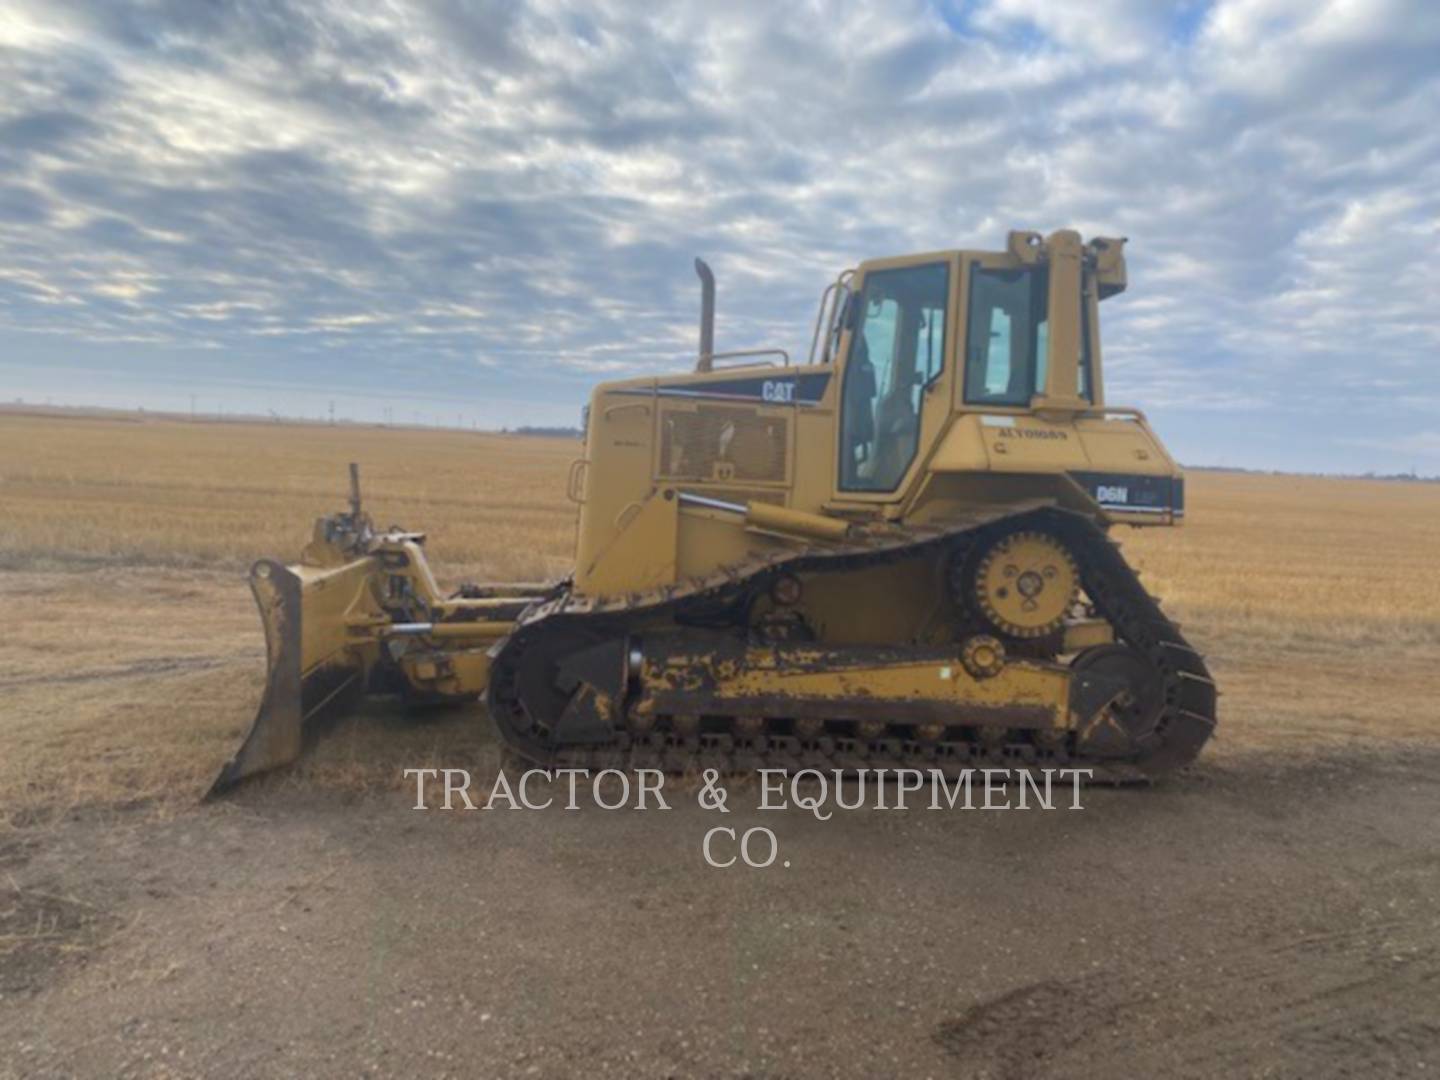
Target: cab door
895, 387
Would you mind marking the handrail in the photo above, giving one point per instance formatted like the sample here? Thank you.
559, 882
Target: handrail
820, 317
611, 410
843, 295
785, 356
575, 481
1134, 413
832, 303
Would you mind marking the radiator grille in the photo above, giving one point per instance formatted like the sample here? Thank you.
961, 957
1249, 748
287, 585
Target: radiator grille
722, 444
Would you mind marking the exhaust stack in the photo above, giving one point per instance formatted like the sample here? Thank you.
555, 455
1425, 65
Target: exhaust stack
355, 490
707, 316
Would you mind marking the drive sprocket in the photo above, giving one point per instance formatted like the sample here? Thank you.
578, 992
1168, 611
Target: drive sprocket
1025, 583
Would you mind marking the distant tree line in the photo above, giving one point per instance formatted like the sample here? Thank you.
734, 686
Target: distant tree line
1406, 476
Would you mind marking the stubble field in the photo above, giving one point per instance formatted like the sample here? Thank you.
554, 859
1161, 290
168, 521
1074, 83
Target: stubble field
131, 661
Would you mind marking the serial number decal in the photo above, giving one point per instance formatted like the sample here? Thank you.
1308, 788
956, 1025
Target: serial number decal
1032, 433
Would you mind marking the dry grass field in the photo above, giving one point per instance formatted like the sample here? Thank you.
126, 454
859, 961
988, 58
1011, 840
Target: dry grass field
131, 658
83, 491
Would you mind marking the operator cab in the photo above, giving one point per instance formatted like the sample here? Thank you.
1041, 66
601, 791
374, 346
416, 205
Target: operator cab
1019, 326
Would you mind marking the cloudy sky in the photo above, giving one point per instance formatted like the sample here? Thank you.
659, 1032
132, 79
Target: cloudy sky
476, 208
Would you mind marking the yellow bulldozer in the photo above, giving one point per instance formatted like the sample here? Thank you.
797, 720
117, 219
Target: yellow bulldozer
892, 555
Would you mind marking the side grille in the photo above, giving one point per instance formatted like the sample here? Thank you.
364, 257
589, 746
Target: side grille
723, 444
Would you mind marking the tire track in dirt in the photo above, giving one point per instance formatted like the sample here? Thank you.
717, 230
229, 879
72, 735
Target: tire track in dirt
1365, 993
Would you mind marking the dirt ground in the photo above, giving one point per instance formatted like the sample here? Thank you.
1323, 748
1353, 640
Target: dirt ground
1247, 919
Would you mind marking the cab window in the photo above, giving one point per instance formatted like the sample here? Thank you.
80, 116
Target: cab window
1003, 357
1008, 346
897, 349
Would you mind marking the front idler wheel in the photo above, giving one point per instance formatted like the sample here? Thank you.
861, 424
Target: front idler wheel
1131, 692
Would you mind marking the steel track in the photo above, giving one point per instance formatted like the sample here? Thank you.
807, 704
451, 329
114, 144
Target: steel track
1185, 723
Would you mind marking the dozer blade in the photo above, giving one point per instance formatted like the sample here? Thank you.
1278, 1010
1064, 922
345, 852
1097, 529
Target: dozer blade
309, 667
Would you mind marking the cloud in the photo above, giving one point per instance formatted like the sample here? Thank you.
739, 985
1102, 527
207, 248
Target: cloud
484, 199
1108, 30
